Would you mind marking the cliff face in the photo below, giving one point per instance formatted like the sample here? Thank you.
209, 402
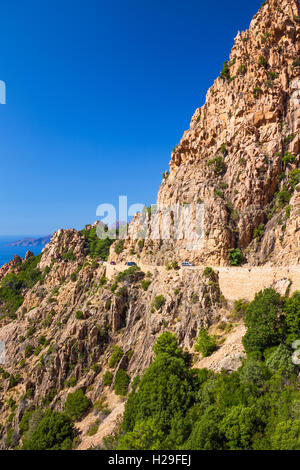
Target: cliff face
63, 334
242, 149
240, 161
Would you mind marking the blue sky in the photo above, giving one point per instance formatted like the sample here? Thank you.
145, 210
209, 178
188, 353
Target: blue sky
98, 94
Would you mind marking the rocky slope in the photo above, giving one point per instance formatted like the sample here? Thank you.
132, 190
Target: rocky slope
240, 159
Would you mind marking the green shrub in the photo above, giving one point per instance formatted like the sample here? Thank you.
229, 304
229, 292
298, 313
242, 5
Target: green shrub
236, 257
115, 357
225, 72
13, 285
79, 315
93, 429
262, 60
259, 231
97, 247
158, 302
122, 381
68, 256
119, 246
219, 165
288, 158
29, 350
283, 196
281, 360
264, 322
145, 283
209, 272
167, 343
296, 62
206, 343
294, 178
107, 378
292, 311
256, 92
54, 431
76, 405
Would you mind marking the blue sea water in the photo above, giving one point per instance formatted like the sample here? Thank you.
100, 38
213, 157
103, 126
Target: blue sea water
7, 252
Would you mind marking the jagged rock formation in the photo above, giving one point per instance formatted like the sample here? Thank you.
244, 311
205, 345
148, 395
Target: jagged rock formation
71, 318
241, 154
240, 158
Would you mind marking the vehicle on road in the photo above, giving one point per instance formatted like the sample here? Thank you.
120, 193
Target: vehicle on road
187, 263
131, 263
113, 263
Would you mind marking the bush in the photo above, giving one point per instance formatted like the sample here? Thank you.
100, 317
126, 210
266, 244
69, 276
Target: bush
122, 381
225, 72
29, 350
281, 360
206, 343
236, 257
264, 321
262, 60
107, 378
209, 272
79, 315
167, 343
292, 310
145, 436
158, 302
115, 357
259, 231
13, 285
68, 256
97, 247
54, 431
145, 283
93, 429
219, 165
119, 247
76, 405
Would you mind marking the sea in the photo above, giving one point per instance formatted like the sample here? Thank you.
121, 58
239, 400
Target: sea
7, 252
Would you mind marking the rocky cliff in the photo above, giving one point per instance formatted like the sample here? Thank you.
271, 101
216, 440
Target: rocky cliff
63, 313
240, 157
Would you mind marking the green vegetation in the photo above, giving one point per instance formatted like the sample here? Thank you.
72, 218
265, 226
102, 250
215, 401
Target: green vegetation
262, 61
68, 256
145, 283
122, 381
296, 62
259, 231
256, 92
79, 315
49, 430
288, 158
255, 408
115, 357
97, 248
236, 257
13, 285
219, 165
158, 302
206, 343
225, 72
107, 378
119, 247
77, 405
209, 272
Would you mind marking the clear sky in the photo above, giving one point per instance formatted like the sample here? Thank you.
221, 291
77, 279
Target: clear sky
98, 94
